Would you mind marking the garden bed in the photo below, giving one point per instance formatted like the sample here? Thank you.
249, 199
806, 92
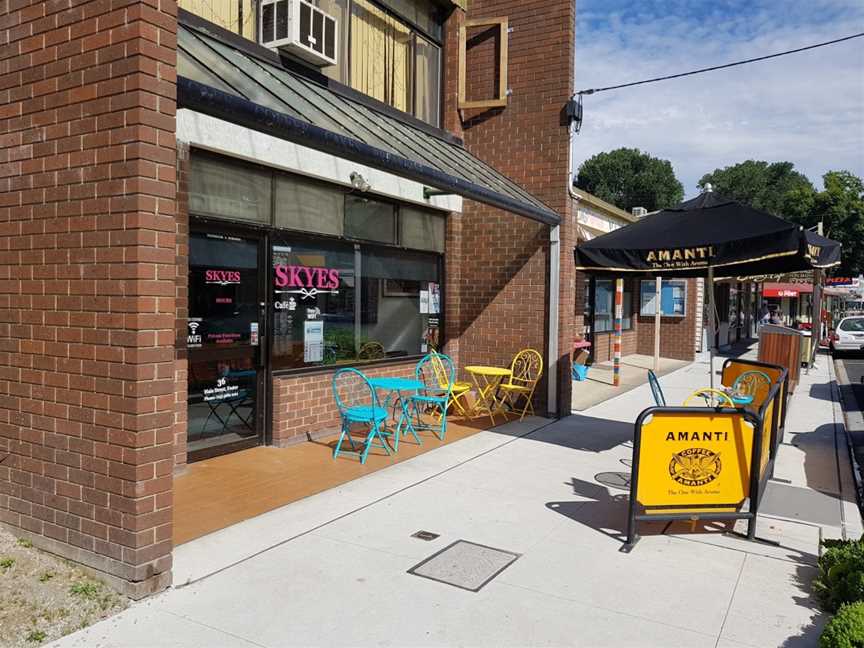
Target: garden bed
43, 597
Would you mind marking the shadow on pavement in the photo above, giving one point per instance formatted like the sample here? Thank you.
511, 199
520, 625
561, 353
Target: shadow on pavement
809, 635
821, 391
585, 433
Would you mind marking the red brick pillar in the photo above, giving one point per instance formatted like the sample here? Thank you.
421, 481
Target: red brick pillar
503, 264
87, 236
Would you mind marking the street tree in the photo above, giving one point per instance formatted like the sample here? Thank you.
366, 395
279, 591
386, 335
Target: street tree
840, 208
776, 188
628, 178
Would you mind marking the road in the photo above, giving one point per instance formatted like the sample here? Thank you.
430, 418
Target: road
853, 401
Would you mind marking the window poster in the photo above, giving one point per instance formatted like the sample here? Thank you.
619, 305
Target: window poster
434, 298
313, 341
430, 335
424, 302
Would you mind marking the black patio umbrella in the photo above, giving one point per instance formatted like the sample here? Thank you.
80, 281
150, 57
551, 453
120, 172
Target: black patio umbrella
703, 236
707, 233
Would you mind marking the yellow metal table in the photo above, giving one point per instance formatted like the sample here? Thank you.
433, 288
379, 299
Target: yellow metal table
487, 379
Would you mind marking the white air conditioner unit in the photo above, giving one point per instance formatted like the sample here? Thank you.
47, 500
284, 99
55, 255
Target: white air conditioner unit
639, 212
299, 28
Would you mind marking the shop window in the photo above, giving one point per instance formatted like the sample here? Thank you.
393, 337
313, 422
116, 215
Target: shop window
673, 297
308, 206
237, 16
229, 189
339, 303
392, 61
421, 230
381, 48
401, 302
427, 72
370, 220
604, 310
314, 291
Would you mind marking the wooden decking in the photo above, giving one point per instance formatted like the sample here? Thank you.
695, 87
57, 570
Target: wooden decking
216, 493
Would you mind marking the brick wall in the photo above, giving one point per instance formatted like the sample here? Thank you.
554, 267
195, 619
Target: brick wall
677, 334
502, 265
181, 295
87, 243
303, 405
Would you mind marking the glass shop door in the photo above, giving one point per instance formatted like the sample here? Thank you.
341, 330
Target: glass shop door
225, 342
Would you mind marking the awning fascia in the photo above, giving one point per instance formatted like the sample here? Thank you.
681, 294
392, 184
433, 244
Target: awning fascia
216, 103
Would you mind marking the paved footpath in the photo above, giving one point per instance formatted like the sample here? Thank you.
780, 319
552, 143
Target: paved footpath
558, 497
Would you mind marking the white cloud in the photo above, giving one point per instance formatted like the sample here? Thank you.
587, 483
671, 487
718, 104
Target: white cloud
806, 108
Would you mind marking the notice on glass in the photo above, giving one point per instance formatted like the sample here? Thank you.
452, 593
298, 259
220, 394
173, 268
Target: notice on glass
313, 341
424, 302
434, 298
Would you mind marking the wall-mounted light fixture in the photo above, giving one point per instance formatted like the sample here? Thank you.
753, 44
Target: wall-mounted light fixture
359, 182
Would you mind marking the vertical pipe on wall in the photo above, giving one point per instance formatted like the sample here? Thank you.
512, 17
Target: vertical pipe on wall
552, 376
658, 286
619, 302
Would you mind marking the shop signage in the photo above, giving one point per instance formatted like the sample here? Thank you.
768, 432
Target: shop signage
193, 339
221, 392
305, 281
680, 257
222, 277
694, 460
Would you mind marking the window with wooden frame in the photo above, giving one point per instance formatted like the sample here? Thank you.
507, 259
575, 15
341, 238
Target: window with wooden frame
497, 28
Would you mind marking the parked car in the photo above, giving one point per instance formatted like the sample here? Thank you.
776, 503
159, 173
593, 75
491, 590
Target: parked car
849, 335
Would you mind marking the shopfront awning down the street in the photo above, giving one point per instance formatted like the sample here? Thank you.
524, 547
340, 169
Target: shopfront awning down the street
224, 76
707, 233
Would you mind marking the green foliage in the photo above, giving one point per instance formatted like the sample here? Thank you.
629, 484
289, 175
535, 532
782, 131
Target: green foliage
846, 630
44, 577
6, 563
24, 542
841, 574
85, 589
780, 190
776, 188
629, 178
840, 208
36, 636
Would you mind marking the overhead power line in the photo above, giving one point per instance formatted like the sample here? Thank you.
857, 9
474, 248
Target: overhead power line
720, 67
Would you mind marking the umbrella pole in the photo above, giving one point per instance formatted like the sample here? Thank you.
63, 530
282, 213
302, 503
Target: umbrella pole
619, 307
657, 290
711, 307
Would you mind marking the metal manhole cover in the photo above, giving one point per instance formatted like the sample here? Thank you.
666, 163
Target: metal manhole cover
464, 564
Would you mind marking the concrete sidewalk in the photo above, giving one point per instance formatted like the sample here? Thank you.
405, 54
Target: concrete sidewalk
557, 497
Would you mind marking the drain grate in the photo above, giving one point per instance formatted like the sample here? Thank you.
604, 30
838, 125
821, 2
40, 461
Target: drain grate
428, 536
464, 564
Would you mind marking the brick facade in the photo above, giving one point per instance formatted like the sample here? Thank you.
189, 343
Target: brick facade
503, 263
87, 241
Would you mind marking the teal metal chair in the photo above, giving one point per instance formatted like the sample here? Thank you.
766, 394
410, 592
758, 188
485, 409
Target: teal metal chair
358, 405
656, 391
438, 373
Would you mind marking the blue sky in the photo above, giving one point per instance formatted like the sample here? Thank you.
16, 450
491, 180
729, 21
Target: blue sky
806, 108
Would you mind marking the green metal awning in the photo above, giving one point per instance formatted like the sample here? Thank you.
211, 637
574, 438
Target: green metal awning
246, 84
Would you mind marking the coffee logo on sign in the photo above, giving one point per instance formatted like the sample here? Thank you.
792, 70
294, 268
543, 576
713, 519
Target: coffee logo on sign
695, 466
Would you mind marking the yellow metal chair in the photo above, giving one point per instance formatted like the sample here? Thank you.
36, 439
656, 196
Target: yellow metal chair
459, 389
710, 398
526, 370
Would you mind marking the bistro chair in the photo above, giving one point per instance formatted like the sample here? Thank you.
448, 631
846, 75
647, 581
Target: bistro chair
710, 398
458, 388
656, 391
525, 373
438, 373
358, 405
